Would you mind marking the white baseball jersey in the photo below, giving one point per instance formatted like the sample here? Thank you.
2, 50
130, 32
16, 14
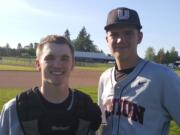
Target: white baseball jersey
143, 103
9, 122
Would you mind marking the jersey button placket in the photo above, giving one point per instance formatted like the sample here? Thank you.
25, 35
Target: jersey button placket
116, 106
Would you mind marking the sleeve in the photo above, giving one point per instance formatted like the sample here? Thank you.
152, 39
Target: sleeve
95, 114
100, 102
9, 123
88, 111
171, 96
4, 122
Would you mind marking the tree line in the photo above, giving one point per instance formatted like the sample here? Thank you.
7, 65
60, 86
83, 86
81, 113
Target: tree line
162, 56
83, 43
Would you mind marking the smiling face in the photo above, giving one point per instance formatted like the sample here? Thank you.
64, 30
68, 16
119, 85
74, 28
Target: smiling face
55, 63
123, 42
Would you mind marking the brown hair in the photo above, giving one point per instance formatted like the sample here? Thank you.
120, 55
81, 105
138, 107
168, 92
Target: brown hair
53, 39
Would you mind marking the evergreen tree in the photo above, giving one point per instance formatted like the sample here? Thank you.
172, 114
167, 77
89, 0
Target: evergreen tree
31, 50
173, 55
7, 46
150, 54
31, 46
7, 49
67, 35
19, 49
161, 57
35, 45
19, 46
167, 57
84, 43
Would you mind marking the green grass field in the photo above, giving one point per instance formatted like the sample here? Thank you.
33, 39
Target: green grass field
7, 94
95, 67
16, 68
100, 67
17, 61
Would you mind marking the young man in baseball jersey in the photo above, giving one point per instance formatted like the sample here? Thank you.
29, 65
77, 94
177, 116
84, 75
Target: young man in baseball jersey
137, 97
53, 108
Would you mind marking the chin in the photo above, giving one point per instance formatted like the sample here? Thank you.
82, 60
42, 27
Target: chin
121, 58
55, 83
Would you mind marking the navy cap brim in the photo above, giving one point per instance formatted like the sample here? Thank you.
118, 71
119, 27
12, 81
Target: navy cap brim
108, 27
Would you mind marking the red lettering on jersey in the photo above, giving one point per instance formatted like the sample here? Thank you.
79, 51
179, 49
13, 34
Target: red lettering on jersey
129, 110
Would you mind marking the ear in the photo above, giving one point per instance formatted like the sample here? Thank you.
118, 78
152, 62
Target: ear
140, 37
37, 63
106, 39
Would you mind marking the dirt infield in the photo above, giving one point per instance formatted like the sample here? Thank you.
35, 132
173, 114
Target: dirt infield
24, 80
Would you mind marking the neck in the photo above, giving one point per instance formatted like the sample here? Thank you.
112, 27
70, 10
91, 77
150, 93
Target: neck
127, 63
54, 94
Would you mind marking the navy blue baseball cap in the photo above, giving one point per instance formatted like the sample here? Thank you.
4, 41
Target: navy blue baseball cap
122, 17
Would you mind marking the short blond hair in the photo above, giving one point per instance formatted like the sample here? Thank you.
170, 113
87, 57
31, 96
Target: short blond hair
53, 39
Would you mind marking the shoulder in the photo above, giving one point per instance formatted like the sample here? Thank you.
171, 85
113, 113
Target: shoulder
159, 69
157, 66
160, 73
28, 91
85, 106
84, 101
8, 111
107, 73
81, 95
27, 94
10, 104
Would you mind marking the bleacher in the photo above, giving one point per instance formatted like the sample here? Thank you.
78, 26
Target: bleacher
92, 57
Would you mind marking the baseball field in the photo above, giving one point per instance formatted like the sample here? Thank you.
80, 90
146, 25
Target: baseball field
14, 79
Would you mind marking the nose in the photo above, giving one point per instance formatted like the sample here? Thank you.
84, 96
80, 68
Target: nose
120, 38
57, 63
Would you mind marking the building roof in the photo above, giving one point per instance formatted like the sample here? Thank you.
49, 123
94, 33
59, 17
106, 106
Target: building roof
92, 55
